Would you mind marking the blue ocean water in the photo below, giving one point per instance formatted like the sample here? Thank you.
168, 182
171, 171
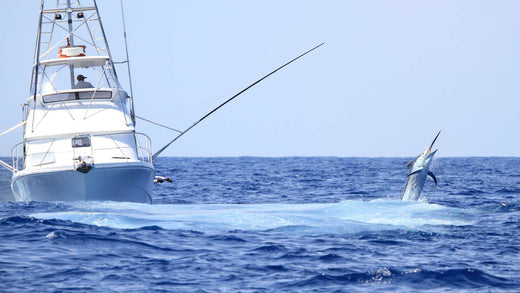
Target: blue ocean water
247, 224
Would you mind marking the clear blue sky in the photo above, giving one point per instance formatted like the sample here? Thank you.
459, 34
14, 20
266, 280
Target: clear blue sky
391, 74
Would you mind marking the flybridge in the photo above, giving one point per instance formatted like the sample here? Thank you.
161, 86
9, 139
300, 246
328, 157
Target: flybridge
72, 54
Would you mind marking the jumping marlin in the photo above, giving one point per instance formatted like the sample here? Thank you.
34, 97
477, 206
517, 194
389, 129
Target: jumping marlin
417, 173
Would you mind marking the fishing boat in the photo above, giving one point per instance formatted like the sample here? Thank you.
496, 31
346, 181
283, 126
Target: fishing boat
79, 137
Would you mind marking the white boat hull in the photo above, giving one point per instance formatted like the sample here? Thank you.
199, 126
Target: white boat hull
131, 183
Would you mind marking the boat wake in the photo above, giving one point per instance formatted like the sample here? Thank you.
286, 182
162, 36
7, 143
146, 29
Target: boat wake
320, 218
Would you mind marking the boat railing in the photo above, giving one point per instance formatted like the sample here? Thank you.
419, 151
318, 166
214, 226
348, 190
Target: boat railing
144, 147
142, 150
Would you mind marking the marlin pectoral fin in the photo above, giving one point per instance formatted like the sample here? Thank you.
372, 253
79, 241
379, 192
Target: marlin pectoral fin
414, 172
433, 177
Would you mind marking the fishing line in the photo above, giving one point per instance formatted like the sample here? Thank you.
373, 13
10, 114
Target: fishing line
230, 99
149, 121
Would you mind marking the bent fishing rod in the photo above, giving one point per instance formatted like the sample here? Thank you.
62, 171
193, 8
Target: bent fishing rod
229, 100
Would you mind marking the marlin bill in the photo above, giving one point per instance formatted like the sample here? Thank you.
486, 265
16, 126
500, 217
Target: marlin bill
418, 170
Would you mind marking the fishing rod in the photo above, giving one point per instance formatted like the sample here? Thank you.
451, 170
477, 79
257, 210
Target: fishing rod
229, 100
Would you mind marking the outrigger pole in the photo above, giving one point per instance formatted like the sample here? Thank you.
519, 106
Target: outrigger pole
4, 164
229, 100
37, 57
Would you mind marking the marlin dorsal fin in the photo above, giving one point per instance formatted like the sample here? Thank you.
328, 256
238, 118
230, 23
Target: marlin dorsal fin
412, 161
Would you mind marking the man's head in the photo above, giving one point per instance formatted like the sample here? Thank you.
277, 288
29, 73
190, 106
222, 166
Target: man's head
80, 77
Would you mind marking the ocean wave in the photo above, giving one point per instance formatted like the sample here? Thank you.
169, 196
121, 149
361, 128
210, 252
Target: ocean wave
414, 279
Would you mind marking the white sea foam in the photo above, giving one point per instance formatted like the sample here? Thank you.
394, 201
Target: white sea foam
345, 216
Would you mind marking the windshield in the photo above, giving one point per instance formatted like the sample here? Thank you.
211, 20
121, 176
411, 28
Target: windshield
82, 95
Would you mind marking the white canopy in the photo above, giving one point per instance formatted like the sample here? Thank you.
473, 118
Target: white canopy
86, 61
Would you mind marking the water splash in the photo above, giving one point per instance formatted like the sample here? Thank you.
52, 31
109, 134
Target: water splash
346, 216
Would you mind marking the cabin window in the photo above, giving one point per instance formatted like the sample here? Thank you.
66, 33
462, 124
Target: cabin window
83, 95
80, 141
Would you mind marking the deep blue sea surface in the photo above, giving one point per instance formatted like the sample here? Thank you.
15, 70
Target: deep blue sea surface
249, 224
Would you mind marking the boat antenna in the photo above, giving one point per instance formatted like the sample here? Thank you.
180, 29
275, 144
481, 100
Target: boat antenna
229, 100
128, 62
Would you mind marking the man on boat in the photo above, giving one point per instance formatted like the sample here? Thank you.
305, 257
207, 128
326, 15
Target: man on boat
82, 84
